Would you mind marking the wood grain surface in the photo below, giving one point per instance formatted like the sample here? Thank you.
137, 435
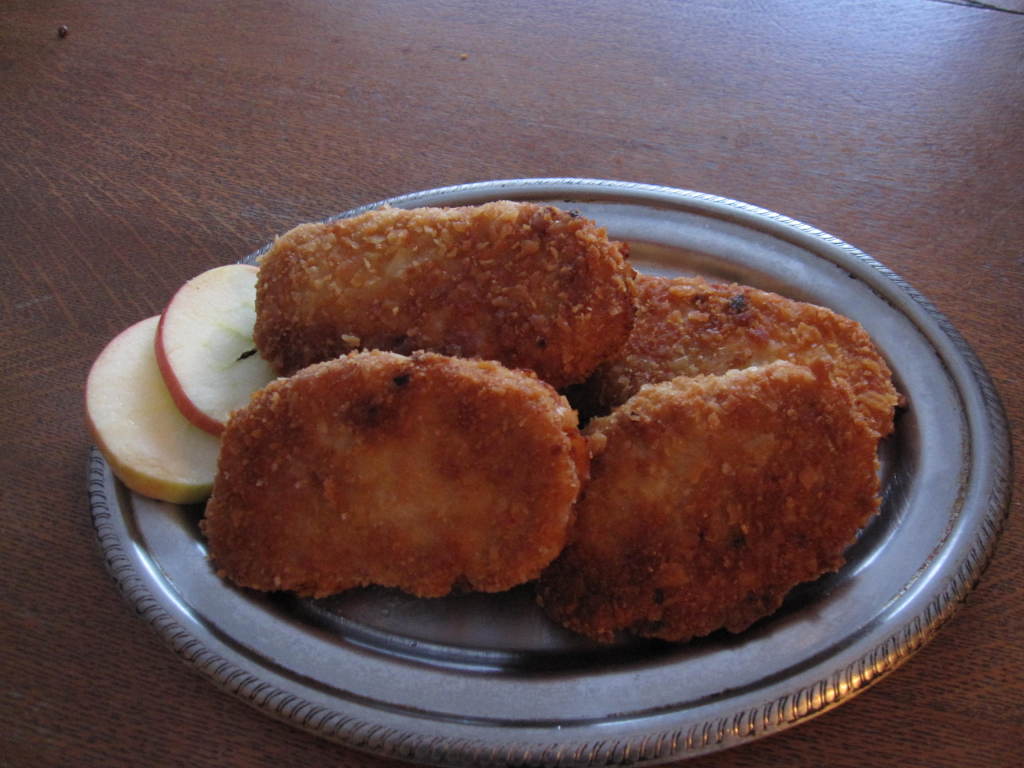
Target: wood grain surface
154, 140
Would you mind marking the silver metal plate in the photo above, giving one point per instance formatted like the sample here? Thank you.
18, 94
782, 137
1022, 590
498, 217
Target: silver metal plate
487, 679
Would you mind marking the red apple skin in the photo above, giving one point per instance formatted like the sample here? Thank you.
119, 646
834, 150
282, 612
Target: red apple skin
173, 377
154, 451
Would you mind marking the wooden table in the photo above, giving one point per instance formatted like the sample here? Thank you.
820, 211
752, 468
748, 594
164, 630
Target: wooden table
155, 140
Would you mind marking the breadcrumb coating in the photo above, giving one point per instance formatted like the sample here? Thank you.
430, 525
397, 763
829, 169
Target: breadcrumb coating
688, 326
528, 285
710, 498
425, 473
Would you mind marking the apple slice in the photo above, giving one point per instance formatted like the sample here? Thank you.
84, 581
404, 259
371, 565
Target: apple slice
205, 349
150, 446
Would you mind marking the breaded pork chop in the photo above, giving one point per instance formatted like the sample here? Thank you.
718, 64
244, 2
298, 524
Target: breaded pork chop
528, 285
688, 326
709, 499
422, 473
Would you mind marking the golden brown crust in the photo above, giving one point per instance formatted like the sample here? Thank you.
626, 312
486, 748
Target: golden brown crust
528, 285
710, 498
688, 327
422, 473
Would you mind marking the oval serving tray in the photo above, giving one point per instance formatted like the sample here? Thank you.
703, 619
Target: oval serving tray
487, 679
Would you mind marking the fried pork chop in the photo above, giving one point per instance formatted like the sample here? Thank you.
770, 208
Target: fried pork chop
424, 473
710, 498
688, 326
528, 285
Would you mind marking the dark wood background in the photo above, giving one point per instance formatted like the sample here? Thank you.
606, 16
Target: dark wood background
157, 139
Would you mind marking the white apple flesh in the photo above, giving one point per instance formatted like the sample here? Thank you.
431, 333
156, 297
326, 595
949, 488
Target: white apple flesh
149, 445
205, 349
